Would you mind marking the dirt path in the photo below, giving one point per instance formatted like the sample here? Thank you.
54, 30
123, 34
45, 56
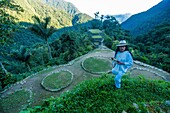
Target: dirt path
33, 83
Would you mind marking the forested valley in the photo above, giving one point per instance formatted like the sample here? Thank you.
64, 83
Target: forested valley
36, 36
27, 48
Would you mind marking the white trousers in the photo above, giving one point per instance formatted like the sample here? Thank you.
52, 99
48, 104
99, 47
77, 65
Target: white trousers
118, 77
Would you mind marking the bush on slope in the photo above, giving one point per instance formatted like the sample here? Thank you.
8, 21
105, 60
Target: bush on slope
99, 95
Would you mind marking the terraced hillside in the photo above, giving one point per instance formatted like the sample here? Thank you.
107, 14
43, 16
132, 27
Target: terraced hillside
58, 79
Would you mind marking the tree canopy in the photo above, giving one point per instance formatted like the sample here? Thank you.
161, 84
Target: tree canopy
7, 22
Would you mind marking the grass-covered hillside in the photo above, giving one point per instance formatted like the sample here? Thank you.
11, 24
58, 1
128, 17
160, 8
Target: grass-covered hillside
60, 18
99, 95
61, 12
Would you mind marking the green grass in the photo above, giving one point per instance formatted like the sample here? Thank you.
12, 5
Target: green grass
96, 36
99, 95
154, 107
57, 81
95, 31
97, 64
14, 100
97, 50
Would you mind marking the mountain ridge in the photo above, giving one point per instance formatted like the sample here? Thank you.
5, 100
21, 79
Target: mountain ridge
122, 17
42, 10
142, 22
63, 5
60, 11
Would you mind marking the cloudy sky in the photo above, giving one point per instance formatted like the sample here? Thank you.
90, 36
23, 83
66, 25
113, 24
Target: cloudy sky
113, 7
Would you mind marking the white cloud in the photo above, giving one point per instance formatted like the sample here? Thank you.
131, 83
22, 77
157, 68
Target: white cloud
113, 6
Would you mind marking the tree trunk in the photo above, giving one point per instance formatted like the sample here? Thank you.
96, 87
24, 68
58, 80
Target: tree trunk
49, 51
28, 66
3, 68
42, 59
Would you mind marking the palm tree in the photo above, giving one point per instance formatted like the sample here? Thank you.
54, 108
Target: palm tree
41, 28
96, 15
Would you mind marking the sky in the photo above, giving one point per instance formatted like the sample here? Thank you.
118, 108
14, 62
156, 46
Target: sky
113, 7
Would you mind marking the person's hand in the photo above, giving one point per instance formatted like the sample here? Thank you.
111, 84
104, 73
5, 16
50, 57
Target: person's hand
113, 59
121, 63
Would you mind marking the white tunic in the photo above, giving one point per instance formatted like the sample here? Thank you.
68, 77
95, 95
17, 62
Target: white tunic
126, 58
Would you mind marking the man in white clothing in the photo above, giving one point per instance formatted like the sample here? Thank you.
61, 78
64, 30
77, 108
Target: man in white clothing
122, 61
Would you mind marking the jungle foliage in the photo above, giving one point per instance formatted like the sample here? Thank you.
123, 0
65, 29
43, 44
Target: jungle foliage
26, 56
154, 47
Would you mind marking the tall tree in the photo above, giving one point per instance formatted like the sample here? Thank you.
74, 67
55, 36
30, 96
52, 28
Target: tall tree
69, 46
43, 29
112, 27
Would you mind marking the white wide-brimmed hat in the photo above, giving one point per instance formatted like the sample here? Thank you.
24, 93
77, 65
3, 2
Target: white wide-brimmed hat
122, 43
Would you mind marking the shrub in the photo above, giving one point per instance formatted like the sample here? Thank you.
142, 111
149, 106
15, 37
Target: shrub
99, 95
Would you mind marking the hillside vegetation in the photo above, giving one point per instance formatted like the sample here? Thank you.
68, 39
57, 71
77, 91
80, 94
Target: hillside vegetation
143, 22
62, 5
61, 12
60, 18
80, 71
31, 46
99, 95
154, 47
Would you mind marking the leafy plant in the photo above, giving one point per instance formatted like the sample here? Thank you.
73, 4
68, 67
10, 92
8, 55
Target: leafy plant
100, 95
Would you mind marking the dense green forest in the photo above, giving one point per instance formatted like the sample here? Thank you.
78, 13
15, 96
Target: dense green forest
154, 47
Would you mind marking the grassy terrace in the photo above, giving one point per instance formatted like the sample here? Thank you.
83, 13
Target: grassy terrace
97, 36
57, 81
15, 99
97, 65
95, 31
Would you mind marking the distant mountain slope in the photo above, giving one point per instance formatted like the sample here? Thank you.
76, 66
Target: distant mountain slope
60, 11
122, 17
81, 18
63, 5
59, 18
145, 21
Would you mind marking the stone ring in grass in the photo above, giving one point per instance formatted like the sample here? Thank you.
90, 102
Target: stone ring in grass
12, 101
57, 81
97, 65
